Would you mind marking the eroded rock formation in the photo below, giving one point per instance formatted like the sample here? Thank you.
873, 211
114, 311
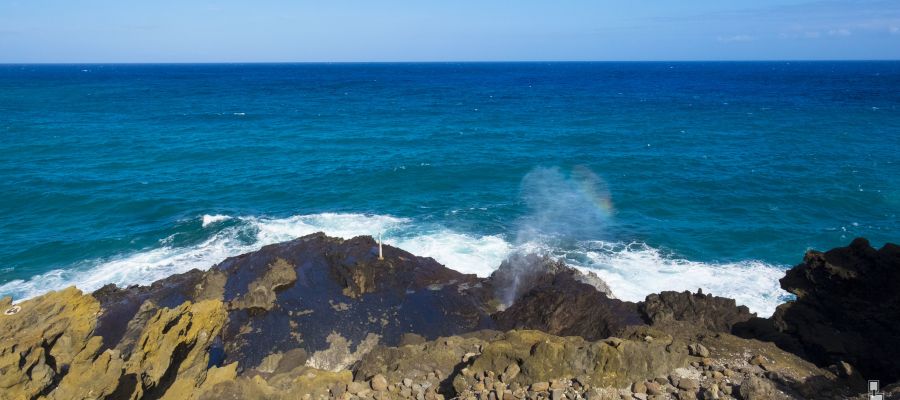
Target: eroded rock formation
847, 308
321, 317
546, 295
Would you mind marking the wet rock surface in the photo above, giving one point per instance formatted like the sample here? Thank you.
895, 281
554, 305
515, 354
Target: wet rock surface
321, 317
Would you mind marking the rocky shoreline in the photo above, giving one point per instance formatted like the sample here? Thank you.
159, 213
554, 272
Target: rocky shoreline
323, 317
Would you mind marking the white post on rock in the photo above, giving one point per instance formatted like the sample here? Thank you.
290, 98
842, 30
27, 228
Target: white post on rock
380, 254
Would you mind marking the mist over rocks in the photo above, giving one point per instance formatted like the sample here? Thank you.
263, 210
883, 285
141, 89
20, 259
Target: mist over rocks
574, 204
323, 317
544, 294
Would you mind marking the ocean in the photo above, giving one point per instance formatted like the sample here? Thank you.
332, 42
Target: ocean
656, 176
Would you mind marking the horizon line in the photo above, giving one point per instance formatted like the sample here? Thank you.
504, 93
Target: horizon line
449, 61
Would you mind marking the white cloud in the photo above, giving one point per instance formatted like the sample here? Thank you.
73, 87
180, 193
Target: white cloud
736, 38
839, 32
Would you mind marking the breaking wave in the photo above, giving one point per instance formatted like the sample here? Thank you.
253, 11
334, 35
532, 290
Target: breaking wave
631, 270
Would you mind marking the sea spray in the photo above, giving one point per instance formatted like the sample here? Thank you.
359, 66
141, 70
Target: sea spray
563, 207
568, 220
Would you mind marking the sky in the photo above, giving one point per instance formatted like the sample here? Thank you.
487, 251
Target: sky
106, 31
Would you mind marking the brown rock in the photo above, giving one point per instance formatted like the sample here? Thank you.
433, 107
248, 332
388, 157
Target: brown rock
356, 387
547, 358
175, 343
510, 373
755, 388
688, 384
411, 339
757, 360
698, 350
379, 383
639, 387
654, 389
291, 359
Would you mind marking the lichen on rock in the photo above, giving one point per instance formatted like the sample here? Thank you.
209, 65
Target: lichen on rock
261, 292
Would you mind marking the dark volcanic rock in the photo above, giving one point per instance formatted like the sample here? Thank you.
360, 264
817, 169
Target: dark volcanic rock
320, 317
717, 314
343, 288
548, 296
847, 308
315, 293
335, 299
261, 292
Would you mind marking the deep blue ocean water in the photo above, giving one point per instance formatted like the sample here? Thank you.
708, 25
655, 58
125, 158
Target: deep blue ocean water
655, 175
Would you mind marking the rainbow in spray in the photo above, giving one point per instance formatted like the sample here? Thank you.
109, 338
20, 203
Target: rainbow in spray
594, 189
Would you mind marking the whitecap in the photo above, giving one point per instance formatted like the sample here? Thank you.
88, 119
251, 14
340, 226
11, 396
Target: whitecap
632, 270
466, 253
208, 220
635, 270
479, 255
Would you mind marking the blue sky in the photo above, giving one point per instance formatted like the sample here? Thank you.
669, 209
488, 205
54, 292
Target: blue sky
461, 30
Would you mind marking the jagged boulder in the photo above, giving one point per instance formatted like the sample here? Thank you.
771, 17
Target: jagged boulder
40, 342
125, 311
718, 314
48, 350
847, 308
172, 356
547, 295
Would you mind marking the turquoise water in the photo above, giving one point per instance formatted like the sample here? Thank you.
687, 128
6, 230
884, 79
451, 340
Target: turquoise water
654, 175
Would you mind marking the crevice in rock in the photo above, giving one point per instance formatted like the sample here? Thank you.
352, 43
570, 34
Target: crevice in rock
170, 324
178, 356
127, 384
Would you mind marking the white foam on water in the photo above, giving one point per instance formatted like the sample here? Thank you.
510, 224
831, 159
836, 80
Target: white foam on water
466, 253
632, 271
208, 220
635, 270
339, 225
138, 268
